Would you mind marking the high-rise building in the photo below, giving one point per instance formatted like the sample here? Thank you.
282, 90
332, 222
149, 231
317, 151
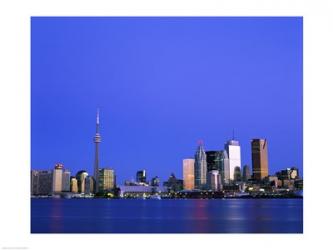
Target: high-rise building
141, 176
200, 167
188, 174
173, 184
89, 185
66, 175
237, 174
155, 181
80, 177
57, 178
218, 160
41, 182
107, 180
259, 158
97, 141
74, 185
246, 173
214, 180
234, 153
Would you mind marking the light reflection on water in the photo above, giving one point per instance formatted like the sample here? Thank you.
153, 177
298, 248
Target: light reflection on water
167, 216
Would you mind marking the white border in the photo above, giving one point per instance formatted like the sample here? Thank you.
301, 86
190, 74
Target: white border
15, 121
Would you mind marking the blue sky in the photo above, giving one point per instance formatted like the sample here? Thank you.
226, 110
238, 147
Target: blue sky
162, 84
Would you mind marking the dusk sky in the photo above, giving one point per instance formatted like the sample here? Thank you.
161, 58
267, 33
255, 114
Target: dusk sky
162, 84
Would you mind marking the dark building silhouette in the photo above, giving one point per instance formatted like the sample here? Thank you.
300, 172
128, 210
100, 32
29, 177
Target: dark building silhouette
259, 158
141, 176
246, 173
173, 184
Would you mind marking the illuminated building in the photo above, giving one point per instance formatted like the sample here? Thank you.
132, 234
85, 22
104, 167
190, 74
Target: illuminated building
259, 158
74, 185
188, 174
66, 175
214, 180
200, 167
41, 182
234, 155
107, 180
81, 176
155, 181
57, 178
141, 176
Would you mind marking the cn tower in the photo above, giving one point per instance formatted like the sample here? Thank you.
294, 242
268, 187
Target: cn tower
97, 140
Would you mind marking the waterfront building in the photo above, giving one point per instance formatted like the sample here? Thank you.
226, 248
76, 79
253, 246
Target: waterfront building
81, 176
97, 141
288, 174
141, 176
246, 173
155, 181
173, 184
259, 158
200, 167
107, 180
218, 160
66, 175
57, 178
237, 174
41, 182
74, 185
132, 191
214, 180
188, 174
89, 184
234, 154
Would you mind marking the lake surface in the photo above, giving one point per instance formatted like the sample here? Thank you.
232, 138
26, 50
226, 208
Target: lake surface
166, 216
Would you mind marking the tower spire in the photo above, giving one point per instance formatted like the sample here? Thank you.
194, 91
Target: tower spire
97, 121
233, 134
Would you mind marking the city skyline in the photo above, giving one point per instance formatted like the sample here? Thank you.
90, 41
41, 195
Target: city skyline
150, 102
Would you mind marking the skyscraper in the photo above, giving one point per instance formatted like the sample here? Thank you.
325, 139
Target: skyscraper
81, 176
188, 174
141, 176
107, 180
214, 180
41, 182
57, 178
200, 167
155, 181
74, 186
237, 174
246, 173
234, 153
259, 158
66, 175
218, 160
97, 141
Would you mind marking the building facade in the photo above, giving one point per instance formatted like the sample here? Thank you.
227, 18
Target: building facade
74, 185
259, 158
141, 176
57, 178
66, 182
188, 174
80, 177
234, 154
200, 168
214, 180
41, 182
246, 173
107, 180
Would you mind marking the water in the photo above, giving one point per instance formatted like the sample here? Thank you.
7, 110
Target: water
166, 216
